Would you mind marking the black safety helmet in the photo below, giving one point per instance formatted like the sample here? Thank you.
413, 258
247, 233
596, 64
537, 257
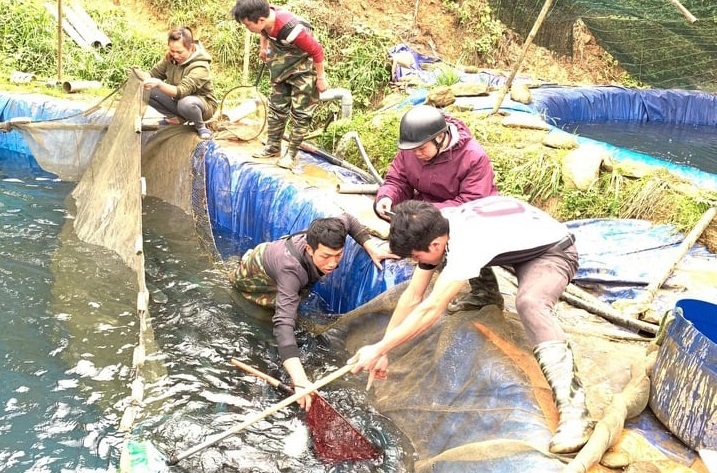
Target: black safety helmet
420, 125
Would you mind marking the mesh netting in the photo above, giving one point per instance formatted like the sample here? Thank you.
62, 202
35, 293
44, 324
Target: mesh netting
335, 439
653, 40
109, 194
102, 148
470, 395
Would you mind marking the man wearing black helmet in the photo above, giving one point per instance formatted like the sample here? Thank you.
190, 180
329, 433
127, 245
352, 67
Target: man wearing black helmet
439, 162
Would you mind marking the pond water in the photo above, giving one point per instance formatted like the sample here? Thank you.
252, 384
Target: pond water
63, 361
690, 145
69, 334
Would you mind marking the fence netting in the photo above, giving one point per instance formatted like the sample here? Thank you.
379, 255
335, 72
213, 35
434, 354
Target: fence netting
656, 42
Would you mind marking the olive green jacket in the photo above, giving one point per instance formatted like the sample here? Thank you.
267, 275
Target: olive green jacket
193, 77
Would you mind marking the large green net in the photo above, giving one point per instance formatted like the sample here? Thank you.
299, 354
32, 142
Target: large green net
660, 43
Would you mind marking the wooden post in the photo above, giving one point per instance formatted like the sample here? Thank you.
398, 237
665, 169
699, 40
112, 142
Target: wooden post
528, 42
690, 17
247, 52
59, 41
415, 13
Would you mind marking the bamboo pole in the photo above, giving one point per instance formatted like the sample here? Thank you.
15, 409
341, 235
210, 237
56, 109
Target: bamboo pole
247, 51
59, 41
641, 305
528, 42
690, 17
582, 299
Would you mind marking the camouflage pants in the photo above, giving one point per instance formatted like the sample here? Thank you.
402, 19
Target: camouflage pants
251, 280
295, 97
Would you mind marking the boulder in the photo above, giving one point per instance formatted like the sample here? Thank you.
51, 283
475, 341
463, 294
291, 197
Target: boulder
581, 166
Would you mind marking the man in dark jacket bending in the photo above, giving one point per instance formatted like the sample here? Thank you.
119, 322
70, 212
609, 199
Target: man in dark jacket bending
279, 274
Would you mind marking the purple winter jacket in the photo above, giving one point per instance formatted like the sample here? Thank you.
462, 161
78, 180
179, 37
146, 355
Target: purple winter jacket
457, 175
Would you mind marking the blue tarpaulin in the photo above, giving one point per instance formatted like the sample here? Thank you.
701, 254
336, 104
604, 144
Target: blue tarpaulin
249, 205
478, 392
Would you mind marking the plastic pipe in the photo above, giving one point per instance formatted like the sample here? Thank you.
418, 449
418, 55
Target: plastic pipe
90, 31
86, 28
237, 113
362, 151
348, 188
78, 85
347, 100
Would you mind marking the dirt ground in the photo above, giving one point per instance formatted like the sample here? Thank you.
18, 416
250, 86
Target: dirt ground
432, 29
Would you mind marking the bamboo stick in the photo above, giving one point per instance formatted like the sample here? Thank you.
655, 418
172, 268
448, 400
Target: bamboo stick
690, 17
528, 42
639, 306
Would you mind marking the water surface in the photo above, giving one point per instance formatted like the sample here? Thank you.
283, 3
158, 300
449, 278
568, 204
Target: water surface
69, 334
689, 145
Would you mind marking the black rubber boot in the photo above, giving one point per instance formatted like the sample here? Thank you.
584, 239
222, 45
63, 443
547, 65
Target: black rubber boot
484, 291
574, 425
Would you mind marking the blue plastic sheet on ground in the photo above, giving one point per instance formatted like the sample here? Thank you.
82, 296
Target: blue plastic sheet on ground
622, 256
401, 71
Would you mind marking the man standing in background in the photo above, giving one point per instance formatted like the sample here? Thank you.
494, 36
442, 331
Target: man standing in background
296, 69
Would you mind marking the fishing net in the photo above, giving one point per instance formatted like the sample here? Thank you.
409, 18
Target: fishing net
335, 438
655, 42
470, 395
103, 149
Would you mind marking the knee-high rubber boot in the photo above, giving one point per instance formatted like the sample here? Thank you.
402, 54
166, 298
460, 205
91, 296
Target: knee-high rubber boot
574, 426
484, 291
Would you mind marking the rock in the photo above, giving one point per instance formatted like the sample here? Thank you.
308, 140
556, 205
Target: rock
465, 89
559, 139
525, 120
520, 93
635, 169
440, 97
581, 166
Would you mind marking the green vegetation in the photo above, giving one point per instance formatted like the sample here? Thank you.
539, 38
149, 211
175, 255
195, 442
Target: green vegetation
476, 16
356, 59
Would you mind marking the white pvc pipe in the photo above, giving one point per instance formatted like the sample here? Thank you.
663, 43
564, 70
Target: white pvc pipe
79, 85
237, 113
347, 100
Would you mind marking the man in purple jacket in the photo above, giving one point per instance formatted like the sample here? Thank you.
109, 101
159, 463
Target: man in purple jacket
439, 162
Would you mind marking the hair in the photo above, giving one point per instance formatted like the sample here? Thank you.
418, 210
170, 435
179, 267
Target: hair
414, 225
330, 232
183, 33
250, 10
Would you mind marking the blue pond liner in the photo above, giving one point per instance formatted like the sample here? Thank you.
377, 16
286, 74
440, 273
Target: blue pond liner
16, 157
559, 105
684, 378
249, 204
